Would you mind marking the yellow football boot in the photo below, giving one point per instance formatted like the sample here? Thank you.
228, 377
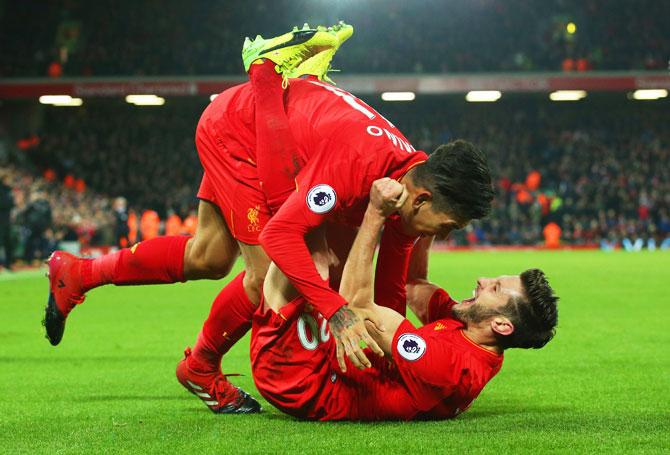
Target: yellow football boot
319, 64
290, 49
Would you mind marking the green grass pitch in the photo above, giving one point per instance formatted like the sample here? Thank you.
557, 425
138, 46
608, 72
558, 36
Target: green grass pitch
602, 385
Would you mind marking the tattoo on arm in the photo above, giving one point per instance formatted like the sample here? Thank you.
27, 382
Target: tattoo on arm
343, 319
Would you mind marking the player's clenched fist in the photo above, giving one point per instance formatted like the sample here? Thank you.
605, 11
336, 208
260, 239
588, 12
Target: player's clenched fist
387, 196
348, 327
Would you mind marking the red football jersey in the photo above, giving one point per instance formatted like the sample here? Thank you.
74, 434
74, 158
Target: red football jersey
347, 145
395, 250
436, 373
343, 144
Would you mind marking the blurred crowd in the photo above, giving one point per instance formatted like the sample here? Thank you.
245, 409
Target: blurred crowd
204, 37
103, 175
588, 173
596, 174
38, 215
144, 155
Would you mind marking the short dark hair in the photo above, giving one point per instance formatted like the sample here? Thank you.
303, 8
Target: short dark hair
459, 178
534, 314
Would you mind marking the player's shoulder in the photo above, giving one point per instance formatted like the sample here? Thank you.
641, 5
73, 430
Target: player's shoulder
429, 356
434, 339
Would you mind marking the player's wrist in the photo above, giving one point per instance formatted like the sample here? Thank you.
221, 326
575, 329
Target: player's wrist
334, 308
374, 216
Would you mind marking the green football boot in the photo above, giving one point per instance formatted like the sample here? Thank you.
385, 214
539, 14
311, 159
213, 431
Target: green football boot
319, 64
290, 49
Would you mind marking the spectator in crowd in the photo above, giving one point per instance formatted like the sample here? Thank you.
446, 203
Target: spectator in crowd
121, 228
82, 218
37, 221
190, 223
173, 223
149, 224
6, 206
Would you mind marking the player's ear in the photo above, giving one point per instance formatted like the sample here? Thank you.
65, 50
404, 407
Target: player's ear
502, 326
421, 197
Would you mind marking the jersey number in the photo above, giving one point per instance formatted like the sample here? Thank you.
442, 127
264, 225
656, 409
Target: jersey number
309, 333
352, 101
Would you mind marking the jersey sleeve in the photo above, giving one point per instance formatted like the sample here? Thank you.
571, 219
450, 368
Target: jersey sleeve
392, 263
439, 306
326, 187
429, 364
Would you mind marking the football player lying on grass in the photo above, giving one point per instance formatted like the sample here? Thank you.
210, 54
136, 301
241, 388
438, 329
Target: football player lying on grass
431, 372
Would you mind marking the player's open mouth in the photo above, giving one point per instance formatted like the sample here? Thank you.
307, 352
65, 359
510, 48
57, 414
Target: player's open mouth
475, 294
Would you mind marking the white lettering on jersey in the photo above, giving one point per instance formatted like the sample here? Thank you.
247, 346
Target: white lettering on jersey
365, 110
309, 341
399, 142
354, 102
348, 98
308, 331
374, 130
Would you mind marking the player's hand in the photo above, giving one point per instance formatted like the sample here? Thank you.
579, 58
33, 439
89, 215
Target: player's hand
348, 328
387, 196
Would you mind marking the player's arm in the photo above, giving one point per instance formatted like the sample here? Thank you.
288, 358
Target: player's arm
418, 265
427, 300
386, 196
284, 240
419, 289
324, 185
392, 263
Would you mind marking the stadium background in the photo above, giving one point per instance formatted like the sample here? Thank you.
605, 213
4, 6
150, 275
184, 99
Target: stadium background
596, 170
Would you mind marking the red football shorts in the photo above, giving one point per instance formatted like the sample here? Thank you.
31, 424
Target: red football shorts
231, 182
294, 363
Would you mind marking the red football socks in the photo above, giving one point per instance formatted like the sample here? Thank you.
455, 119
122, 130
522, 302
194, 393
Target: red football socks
228, 321
275, 146
156, 261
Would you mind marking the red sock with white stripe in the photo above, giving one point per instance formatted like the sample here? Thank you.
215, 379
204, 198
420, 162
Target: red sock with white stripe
156, 261
228, 321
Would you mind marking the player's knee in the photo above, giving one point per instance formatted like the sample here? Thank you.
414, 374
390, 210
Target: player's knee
198, 264
216, 269
253, 284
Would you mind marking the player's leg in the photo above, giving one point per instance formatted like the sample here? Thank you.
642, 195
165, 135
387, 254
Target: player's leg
210, 253
231, 312
277, 155
230, 315
285, 324
228, 321
233, 184
277, 288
